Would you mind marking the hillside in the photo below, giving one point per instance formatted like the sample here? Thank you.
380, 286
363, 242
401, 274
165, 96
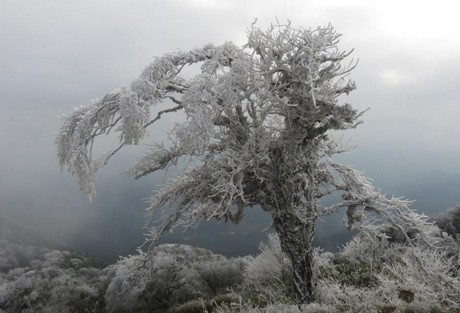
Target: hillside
376, 271
19, 234
38, 276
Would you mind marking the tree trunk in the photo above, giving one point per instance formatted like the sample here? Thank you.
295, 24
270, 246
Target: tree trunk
296, 238
294, 209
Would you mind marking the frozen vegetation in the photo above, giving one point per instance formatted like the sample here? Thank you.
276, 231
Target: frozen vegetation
377, 271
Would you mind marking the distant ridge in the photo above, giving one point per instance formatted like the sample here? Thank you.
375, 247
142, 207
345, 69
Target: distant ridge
25, 235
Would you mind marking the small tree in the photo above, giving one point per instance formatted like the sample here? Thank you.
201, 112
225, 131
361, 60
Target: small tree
258, 123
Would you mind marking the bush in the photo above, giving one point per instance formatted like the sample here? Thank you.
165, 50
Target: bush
52, 284
169, 275
221, 274
347, 272
449, 222
267, 278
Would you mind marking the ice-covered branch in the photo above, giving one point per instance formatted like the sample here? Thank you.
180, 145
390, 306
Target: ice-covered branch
127, 111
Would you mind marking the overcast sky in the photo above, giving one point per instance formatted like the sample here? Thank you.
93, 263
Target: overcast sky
59, 54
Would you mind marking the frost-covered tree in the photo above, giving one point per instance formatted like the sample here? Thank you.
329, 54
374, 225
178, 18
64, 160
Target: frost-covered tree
258, 127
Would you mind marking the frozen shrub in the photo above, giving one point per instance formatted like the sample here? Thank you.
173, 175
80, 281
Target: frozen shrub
372, 274
221, 274
449, 222
166, 276
49, 287
267, 278
403, 274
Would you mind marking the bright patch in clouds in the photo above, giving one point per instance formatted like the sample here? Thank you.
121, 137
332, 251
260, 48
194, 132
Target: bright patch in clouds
421, 20
208, 4
391, 77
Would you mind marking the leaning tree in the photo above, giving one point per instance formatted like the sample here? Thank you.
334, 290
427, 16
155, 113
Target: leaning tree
258, 124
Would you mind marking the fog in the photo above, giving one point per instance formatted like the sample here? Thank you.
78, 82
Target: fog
56, 55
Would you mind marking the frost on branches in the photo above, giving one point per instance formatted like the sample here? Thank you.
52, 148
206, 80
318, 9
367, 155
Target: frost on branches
258, 123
